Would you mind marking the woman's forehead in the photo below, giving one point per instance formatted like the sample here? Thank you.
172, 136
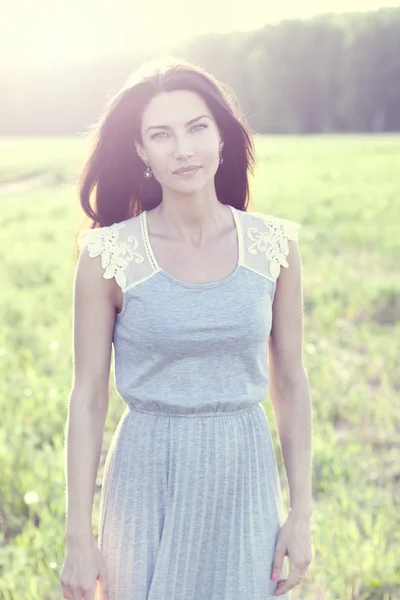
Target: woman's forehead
177, 107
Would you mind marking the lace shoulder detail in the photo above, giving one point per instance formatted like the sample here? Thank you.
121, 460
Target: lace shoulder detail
115, 253
270, 236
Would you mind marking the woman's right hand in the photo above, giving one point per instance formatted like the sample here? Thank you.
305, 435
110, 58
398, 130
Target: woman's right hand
83, 565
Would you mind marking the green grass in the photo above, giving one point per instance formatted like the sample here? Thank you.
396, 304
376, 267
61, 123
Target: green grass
345, 192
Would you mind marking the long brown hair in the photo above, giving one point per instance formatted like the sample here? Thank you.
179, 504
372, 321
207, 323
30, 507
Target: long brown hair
115, 170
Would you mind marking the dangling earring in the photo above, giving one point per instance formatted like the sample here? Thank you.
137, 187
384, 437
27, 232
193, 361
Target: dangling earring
148, 172
221, 160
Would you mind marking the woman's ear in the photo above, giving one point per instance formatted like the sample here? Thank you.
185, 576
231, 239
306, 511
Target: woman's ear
140, 151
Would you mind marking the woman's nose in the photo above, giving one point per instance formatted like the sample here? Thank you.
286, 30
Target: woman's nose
182, 150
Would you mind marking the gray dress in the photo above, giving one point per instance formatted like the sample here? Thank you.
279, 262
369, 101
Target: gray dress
191, 499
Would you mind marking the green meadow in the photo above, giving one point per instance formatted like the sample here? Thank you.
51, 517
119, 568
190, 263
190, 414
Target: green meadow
345, 191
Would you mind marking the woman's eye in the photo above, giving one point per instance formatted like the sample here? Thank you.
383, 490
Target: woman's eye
161, 133
203, 125
157, 134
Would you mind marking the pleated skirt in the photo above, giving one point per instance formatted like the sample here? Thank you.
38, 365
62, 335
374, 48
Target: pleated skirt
191, 506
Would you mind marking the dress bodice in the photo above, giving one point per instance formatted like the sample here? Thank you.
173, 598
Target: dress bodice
193, 344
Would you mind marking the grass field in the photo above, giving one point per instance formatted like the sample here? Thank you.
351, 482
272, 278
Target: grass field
346, 193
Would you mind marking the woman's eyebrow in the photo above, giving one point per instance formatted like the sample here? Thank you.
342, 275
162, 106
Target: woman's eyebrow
186, 124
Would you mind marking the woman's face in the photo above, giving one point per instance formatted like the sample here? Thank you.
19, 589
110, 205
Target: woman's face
178, 130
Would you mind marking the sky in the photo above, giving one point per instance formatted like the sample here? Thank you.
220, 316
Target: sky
56, 31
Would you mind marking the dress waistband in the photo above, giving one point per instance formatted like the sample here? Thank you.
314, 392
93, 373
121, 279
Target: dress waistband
189, 412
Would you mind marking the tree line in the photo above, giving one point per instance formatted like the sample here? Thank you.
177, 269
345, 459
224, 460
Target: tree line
332, 73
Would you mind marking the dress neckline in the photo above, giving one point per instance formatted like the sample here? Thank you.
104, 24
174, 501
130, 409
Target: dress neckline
188, 284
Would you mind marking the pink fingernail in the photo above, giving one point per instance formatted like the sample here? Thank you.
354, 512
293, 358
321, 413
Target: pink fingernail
274, 576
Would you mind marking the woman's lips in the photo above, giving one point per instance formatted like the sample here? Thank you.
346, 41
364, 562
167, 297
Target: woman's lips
187, 171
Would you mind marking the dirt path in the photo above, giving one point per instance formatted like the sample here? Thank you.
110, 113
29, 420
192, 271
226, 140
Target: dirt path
9, 188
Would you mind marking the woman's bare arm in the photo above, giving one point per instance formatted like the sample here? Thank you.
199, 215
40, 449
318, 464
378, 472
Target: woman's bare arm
94, 319
289, 387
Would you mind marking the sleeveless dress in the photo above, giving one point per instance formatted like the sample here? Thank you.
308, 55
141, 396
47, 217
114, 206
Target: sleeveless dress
191, 500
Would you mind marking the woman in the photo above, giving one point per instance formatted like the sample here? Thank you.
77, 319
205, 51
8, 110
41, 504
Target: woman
187, 284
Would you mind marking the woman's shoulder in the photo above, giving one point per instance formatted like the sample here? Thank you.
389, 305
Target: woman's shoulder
266, 242
117, 245
274, 225
107, 235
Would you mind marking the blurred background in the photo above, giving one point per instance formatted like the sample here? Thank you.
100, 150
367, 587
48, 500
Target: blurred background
320, 87
335, 72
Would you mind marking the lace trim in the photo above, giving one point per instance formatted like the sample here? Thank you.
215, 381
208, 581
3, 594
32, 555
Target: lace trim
115, 255
274, 241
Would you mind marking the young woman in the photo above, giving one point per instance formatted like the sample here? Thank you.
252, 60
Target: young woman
186, 283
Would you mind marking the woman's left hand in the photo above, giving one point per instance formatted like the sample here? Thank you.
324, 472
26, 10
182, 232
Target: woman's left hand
294, 540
